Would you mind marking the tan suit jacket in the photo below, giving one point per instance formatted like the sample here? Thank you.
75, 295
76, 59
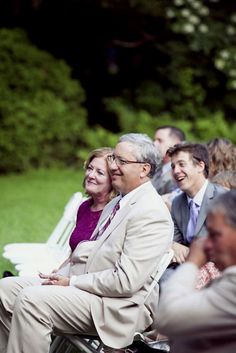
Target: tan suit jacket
201, 321
117, 268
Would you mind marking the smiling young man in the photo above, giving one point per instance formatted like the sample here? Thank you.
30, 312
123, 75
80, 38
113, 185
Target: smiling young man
204, 321
102, 288
190, 166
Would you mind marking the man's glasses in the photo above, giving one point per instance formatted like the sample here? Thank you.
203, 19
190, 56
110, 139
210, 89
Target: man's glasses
120, 161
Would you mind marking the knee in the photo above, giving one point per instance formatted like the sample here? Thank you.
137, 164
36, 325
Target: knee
6, 287
28, 301
5, 283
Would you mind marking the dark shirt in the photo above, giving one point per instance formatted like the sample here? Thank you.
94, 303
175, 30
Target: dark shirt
86, 222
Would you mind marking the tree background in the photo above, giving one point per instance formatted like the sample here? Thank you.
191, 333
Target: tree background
76, 73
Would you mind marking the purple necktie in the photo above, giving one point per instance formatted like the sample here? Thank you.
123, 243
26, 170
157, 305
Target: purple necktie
104, 226
193, 215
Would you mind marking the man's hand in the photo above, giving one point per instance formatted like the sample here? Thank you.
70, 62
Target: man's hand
180, 252
54, 279
197, 253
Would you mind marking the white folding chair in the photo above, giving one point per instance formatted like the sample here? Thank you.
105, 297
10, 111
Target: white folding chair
29, 258
93, 344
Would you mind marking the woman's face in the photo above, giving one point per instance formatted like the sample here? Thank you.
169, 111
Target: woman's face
97, 178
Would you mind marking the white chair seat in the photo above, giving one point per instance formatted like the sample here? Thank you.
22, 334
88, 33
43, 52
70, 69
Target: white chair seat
28, 256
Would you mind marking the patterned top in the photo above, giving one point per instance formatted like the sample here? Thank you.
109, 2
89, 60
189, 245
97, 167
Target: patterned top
86, 222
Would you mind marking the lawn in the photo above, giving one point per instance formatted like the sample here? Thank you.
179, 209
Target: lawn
32, 203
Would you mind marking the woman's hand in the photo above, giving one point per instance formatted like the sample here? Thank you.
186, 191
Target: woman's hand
197, 253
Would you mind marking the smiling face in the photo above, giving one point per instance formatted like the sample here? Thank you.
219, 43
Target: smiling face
188, 175
220, 245
128, 176
97, 179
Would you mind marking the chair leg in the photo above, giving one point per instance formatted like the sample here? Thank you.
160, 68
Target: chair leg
57, 345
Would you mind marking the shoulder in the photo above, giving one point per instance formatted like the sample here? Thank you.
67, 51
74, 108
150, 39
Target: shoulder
213, 190
179, 201
85, 206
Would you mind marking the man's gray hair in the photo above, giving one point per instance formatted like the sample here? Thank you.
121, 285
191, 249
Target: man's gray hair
226, 204
144, 150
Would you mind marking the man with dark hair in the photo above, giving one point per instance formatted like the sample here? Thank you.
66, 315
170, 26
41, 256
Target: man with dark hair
190, 167
165, 137
204, 321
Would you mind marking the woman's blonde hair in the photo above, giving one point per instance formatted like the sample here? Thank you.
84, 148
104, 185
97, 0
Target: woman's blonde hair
101, 152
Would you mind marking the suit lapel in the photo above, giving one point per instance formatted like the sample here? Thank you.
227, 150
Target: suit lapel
114, 223
184, 214
209, 194
119, 217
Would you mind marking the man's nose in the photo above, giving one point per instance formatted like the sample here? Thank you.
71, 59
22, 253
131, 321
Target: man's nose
113, 165
175, 169
207, 243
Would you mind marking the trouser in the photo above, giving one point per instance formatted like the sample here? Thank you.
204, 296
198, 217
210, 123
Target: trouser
31, 312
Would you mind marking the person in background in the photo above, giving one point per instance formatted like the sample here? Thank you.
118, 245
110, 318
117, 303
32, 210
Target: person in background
227, 179
102, 289
165, 137
222, 156
204, 321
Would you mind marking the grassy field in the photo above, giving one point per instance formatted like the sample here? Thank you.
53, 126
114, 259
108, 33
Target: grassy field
31, 204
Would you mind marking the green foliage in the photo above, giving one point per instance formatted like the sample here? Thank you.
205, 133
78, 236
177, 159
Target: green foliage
32, 203
193, 80
95, 138
202, 129
41, 117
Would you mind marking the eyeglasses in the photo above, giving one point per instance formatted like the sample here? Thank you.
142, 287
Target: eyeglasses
120, 161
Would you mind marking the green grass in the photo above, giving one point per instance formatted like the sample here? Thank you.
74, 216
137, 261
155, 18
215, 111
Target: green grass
31, 204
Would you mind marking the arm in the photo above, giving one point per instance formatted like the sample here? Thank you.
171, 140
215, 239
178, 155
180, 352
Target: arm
146, 237
183, 310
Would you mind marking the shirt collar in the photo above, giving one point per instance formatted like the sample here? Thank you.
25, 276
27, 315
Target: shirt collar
197, 199
125, 199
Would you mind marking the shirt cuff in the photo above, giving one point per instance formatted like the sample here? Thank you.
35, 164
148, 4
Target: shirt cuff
73, 280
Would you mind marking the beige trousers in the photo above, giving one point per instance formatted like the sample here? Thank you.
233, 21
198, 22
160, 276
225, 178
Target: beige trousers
31, 312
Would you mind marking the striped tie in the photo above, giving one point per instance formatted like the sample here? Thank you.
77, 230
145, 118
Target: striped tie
104, 226
193, 215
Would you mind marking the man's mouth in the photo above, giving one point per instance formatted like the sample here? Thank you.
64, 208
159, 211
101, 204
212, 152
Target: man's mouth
179, 178
114, 176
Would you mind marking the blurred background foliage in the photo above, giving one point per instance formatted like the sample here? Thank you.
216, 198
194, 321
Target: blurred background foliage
76, 74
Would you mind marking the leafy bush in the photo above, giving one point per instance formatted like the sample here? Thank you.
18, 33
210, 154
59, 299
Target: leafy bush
202, 129
42, 120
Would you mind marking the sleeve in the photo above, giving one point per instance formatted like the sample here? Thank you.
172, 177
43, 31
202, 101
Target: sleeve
145, 241
183, 309
178, 235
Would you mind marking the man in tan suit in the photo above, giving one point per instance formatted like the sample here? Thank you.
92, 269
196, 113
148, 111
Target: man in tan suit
204, 321
102, 289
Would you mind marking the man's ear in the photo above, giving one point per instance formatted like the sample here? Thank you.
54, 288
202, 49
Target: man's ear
201, 165
146, 167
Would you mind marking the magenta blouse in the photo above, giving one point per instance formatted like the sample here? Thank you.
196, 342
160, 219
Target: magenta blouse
86, 222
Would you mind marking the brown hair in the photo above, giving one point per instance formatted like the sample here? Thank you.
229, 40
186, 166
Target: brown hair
198, 153
227, 179
222, 154
101, 152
